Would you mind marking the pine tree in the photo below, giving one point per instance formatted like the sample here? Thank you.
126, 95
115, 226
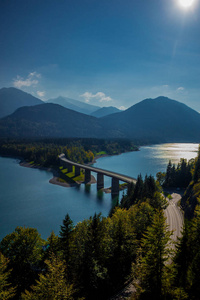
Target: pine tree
138, 191
194, 249
152, 258
196, 175
6, 290
168, 177
122, 247
52, 285
65, 236
149, 187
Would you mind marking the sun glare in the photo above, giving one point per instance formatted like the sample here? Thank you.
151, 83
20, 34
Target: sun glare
186, 3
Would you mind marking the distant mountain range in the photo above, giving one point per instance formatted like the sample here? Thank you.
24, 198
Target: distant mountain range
105, 111
12, 98
151, 121
76, 105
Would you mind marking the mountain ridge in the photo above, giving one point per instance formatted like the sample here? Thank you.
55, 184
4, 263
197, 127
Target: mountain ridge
50, 120
104, 111
12, 98
157, 118
73, 104
151, 120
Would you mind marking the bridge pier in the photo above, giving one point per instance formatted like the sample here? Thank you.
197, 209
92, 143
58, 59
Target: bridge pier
87, 175
65, 165
69, 168
115, 186
77, 171
100, 174
100, 181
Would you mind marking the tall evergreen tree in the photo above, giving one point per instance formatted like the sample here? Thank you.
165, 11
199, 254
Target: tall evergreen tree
65, 236
194, 264
122, 247
6, 290
196, 175
138, 191
52, 285
149, 187
152, 259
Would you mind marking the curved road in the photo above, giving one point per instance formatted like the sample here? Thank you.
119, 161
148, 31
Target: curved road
174, 216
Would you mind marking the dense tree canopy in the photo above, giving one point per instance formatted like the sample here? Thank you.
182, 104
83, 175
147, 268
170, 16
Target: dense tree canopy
23, 248
177, 176
45, 152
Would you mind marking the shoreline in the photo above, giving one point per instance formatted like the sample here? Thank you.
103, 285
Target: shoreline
55, 180
58, 181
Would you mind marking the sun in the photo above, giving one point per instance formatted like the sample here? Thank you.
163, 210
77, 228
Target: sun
186, 3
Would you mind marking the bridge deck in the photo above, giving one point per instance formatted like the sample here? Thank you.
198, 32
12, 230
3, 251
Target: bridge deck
119, 176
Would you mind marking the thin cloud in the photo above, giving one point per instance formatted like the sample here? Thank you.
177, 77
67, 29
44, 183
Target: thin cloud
31, 80
101, 97
180, 89
35, 74
41, 94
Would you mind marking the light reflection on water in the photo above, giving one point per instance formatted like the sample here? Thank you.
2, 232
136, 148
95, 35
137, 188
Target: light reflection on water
149, 160
174, 152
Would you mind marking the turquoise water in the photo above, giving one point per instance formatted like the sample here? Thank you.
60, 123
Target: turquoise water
149, 160
28, 199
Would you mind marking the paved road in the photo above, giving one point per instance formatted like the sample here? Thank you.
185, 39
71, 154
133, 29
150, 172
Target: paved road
174, 215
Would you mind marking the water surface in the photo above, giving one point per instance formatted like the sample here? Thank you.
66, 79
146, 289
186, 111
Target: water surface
28, 199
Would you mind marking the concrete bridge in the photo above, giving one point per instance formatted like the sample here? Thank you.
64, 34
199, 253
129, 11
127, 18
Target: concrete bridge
116, 177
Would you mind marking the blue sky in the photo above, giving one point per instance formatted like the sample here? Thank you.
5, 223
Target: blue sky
113, 52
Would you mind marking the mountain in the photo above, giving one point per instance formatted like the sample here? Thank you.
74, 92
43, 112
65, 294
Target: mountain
157, 120
12, 98
151, 121
76, 105
50, 120
105, 111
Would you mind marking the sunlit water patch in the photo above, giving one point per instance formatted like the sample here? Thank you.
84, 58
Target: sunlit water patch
173, 152
149, 160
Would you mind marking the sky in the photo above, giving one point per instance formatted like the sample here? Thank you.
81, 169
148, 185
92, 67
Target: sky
105, 52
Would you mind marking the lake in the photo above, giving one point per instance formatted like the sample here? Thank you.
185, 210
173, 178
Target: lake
28, 199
